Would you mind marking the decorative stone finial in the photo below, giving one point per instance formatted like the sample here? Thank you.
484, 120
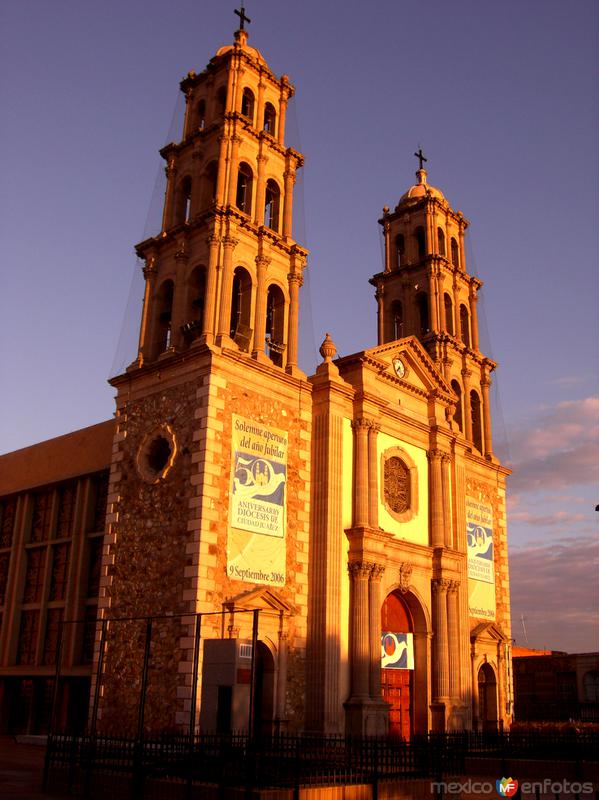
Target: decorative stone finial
421, 176
327, 349
385, 210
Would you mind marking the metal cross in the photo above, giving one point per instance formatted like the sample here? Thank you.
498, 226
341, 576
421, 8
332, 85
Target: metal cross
242, 17
420, 156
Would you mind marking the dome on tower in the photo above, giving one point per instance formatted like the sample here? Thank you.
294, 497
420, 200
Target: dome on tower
241, 38
422, 189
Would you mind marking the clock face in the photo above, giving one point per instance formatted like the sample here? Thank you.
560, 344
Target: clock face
399, 367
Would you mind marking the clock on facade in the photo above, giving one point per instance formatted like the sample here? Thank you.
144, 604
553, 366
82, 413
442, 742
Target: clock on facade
399, 367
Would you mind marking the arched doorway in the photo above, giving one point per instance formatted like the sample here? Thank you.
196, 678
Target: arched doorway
487, 698
264, 691
397, 664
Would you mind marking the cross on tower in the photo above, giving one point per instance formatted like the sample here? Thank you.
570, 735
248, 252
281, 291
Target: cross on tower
242, 17
420, 156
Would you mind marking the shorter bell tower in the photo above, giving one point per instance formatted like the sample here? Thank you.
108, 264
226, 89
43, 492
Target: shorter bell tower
425, 291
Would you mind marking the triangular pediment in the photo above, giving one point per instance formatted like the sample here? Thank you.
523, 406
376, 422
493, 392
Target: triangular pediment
264, 599
406, 362
487, 630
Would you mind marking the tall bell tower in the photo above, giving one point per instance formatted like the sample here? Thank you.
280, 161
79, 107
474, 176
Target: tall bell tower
208, 505
425, 291
225, 269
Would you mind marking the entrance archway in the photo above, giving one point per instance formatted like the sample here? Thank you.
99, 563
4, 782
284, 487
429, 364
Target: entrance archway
264, 691
487, 698
397, 664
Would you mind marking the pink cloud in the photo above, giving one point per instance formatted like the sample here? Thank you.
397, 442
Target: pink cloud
555, 588
561, 450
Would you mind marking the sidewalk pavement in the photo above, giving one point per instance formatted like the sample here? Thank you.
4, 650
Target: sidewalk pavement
21, 771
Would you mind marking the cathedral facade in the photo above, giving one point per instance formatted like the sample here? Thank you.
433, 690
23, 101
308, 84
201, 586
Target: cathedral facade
323, 553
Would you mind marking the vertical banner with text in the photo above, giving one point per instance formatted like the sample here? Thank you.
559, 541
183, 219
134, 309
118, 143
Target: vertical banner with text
257, 506
481, 566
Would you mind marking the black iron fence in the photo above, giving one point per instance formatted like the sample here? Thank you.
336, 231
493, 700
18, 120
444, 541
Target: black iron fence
176, 766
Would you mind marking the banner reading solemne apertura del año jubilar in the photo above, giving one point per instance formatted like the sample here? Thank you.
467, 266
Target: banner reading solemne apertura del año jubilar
257, 506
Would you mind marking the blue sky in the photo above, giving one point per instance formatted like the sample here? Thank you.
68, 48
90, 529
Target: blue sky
504, 100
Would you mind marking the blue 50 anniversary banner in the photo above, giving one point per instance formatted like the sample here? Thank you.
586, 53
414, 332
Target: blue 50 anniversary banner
481, 565
257, 507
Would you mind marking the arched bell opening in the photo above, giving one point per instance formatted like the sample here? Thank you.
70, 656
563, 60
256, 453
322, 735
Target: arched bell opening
163, 318
241, 308
194, 312
275, 324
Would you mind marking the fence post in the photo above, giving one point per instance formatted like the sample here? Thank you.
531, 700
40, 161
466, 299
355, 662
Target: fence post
138, 771
194, 698
255, 615
54, 706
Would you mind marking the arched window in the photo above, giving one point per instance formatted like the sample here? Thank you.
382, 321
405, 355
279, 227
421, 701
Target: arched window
270, 118
209, 188
420, 241
271, 205
464, 325
477, 425
458, 409
396, 320
201, 117
164, 311
275, 324
455, 253
244, 188
448, 313
400, 249
221, 100
184, 201
247, 104
422, 305
241, 306
194, 317
441, 241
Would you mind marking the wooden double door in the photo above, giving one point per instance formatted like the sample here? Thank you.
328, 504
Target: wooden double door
397, 691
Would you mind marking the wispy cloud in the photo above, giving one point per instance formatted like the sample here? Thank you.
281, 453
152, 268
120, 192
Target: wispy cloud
560, 450
560, 518
555, 588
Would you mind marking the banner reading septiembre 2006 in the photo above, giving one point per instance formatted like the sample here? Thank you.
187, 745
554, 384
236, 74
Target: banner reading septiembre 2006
481, 565
257, 505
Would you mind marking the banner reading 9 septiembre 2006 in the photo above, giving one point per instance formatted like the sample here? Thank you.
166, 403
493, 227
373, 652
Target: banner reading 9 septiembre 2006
257, 504
481, 565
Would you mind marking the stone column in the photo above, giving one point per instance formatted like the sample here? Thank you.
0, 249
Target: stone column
361, 427
441, 643
446, 489
373, 483
466, 373
436, 499
379, 297
456, 311
282, 111
145, 338
295, 281
387, 234
260, 312
281, 704
259, 121
473, 297
224, 324
260, 187
222, 170
360, 638
169, 195
462, 248
211, 284
374, 605
453, 630
233, 169
179, 298
289, 176
485, 385
432, 299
